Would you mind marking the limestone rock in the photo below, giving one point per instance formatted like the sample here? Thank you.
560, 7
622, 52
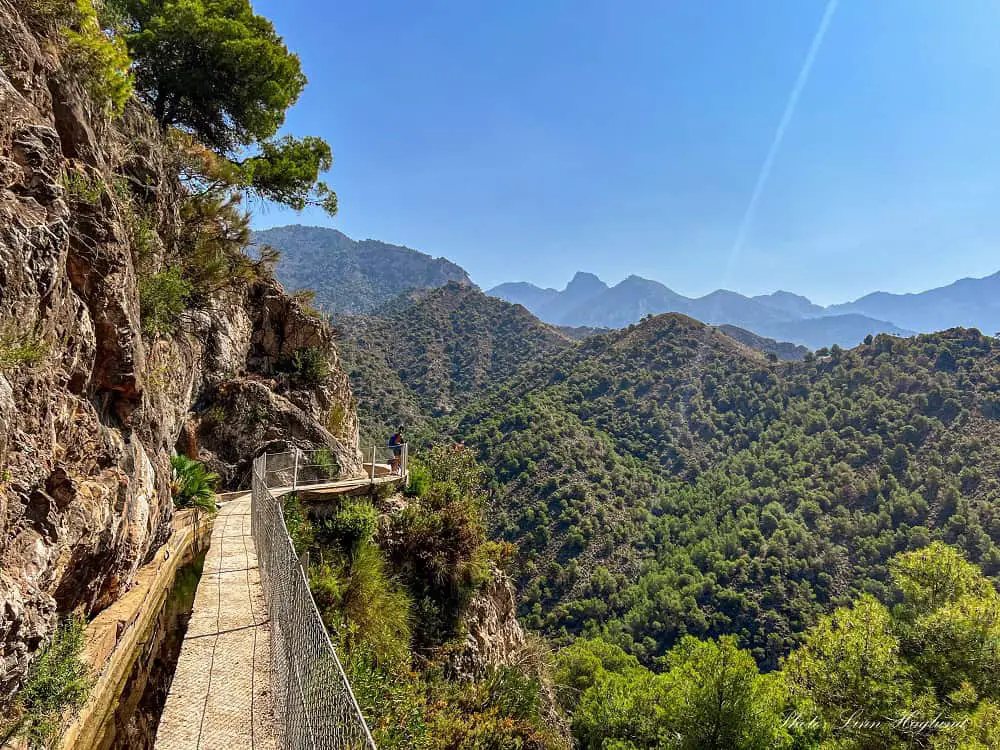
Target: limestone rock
493, 634
88, 422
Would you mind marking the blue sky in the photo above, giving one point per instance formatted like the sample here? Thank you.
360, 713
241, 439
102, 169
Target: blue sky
526, 140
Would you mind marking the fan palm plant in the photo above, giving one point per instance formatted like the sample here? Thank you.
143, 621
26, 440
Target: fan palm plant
192, 485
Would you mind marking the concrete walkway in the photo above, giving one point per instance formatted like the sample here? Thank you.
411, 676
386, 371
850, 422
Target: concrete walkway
220, 696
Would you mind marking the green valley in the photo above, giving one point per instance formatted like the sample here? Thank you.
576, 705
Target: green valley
665, 482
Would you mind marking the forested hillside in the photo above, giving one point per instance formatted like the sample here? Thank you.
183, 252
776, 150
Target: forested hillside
425, 354
756, 495
666, 481
349, 276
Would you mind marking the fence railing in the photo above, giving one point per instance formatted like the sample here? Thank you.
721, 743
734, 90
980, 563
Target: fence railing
299, 467
315, 708
303, 468
391, 460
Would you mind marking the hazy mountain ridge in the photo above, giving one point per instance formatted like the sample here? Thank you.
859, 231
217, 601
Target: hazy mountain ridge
969, 302
782, 315
356, 277
352, 276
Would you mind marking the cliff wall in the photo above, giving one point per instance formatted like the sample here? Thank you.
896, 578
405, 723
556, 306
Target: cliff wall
91, 406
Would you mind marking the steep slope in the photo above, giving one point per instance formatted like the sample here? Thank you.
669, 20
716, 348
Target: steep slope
92, 400
664, 479
780, 349
351, 276
431, 352
967, 302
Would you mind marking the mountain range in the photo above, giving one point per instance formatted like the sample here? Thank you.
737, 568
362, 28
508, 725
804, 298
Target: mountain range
353, 277
589, 301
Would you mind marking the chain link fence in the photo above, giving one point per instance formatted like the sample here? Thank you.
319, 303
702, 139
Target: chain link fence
304, 468
387, 461
314, 705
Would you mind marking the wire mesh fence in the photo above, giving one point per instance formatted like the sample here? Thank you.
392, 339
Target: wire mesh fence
314, 705
384, 461
303, 468
300, 467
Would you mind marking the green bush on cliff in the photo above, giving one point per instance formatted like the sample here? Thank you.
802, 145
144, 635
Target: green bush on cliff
163, 298
308, 366
92, 51
100, 60
17, 349
58, 681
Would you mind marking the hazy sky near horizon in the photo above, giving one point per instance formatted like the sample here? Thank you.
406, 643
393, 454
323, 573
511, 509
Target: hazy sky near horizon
527, 140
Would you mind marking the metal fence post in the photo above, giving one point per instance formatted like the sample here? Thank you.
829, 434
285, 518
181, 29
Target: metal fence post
304, 563
295, 472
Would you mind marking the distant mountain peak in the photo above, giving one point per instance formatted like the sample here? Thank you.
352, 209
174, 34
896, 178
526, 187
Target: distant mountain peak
584, 282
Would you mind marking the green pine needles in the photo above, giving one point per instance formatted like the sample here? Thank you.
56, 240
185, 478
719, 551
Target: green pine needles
59, 681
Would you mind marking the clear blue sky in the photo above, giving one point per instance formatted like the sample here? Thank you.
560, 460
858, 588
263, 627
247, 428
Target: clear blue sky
525, 140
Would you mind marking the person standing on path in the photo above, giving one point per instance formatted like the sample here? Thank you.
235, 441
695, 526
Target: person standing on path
396, 443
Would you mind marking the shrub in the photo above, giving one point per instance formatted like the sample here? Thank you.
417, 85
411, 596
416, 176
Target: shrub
420, 480
214, 230
59, 680
100, 60
298, 525
363, 605
391, 700
144, 238
326, 463
192, 486
353, 525
308, 365
84, 188
163, 297
17, 349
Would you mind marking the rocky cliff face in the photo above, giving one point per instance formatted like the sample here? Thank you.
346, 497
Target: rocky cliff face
494, 638
90, 408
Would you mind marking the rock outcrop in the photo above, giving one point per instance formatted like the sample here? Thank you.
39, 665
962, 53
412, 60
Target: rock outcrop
493, 636
90, 407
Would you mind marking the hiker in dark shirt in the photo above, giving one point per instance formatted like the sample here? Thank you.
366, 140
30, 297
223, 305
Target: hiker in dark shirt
396, 443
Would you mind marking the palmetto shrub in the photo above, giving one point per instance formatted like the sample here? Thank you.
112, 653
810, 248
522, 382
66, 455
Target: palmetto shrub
192, 485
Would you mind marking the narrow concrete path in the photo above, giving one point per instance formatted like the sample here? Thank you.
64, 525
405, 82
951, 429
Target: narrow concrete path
220, 696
